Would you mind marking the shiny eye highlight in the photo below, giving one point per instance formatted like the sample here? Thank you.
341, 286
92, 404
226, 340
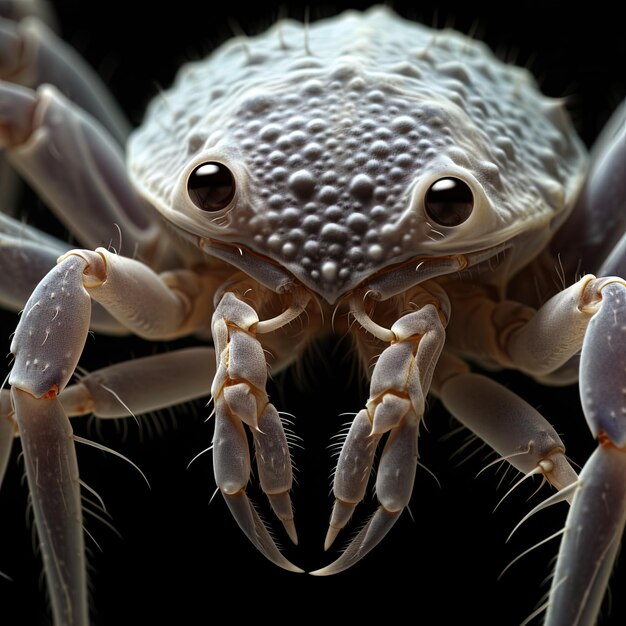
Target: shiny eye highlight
449, 201
211, 186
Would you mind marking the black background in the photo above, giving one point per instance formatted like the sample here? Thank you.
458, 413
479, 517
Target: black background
181, 557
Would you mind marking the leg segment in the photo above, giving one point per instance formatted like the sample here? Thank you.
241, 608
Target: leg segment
52, 473
13, 11
599, 217
7, 431
26, 256
509, 425
400, 381
78, 170
33, 55
591, 312
142, 385
596, 520
47, 345
131, 388
240, 398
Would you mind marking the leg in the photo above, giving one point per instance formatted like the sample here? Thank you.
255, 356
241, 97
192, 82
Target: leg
516, 431
400, 381
48, 138
142, 385
49, 455
591, 315
596, 520
599, 217
7, 431
131, 388
240, 399
47, 345
33, 55
14, 11
26, 256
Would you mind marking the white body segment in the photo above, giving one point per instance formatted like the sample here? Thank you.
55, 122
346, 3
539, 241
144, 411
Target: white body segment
333, 150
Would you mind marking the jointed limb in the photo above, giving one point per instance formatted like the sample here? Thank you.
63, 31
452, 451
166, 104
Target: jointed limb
47, 345
79, 170
589, 317
241, 400
399, 384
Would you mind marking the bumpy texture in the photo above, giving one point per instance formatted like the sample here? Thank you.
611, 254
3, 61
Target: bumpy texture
335, 132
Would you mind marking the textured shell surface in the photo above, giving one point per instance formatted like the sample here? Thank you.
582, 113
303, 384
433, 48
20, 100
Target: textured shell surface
335, 131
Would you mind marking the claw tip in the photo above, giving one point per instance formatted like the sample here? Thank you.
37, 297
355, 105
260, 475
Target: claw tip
291, 530
331, 535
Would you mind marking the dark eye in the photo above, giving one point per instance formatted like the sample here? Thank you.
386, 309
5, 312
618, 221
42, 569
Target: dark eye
211, 186
449, 201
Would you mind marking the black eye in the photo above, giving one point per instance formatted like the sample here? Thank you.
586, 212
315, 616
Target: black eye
211, 186
449, 201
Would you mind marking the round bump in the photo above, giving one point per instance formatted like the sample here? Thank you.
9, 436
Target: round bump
316, 126
403, 124
383, 133
357, 84
375, 252
302, 183
376, 96
380, 194
270, 132
396, 173
357, 222
211, 186
256, 104
297, 121
297, 235
373, 166
297, 137
311, 223
295, 160
289, 250
328, 194
449, 201
336, 250
277, 157
279, 173
275, 242
313, 151
329, 270
380, 148
401, 144
355, 253
313, 86
333, 231
333, 213
291, 215
275, 201
329, 177
361, 187
378, 212
311, 247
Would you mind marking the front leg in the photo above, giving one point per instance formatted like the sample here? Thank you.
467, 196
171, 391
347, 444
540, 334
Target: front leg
590, 315
400, 382
241, 400
47, 346
596, 520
